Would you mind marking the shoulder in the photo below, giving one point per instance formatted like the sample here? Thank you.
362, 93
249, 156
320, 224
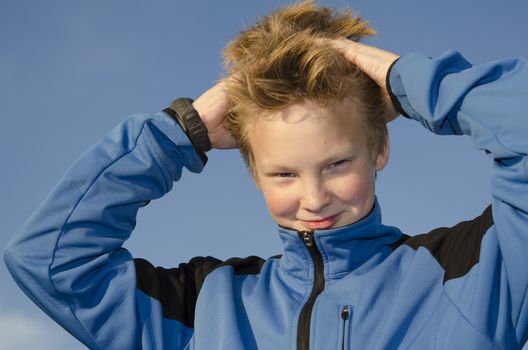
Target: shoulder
456, 248
177, 289
194, 271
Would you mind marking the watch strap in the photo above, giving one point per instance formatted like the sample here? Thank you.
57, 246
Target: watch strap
184, 113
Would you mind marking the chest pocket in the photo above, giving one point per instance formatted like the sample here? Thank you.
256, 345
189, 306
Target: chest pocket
345, 318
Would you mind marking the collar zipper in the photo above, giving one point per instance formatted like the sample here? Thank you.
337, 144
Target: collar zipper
303, 326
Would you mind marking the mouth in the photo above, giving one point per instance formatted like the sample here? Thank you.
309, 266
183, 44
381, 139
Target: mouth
321, 224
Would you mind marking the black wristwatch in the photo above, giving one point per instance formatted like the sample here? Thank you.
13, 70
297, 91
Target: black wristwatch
184, 113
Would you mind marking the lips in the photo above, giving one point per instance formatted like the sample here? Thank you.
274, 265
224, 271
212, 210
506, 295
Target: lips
322, 224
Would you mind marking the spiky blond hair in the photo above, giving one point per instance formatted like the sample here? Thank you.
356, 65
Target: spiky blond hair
281, 61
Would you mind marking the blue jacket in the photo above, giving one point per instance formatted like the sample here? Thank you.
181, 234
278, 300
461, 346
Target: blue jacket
363, 286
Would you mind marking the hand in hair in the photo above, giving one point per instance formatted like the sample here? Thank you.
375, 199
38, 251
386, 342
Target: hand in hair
212, 106
374, 62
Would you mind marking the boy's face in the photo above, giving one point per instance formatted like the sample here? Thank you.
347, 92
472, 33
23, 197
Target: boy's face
313, 165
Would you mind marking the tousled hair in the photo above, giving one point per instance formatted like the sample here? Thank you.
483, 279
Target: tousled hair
281, 60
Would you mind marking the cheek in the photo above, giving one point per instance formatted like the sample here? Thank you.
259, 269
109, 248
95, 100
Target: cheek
280, 201
357, 189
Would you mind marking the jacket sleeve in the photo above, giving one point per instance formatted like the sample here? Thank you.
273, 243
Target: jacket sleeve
489, 103
68, 257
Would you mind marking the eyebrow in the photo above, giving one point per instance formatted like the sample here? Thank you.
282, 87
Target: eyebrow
276, 168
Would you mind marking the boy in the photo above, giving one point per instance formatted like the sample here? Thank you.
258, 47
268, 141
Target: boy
311, 127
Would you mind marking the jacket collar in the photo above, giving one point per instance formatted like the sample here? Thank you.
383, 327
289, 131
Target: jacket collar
343, 249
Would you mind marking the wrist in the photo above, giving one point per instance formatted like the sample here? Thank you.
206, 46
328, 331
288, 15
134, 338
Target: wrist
183, 112
393, 99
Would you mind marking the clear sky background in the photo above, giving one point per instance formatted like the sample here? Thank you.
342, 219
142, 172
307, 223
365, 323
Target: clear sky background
71, 70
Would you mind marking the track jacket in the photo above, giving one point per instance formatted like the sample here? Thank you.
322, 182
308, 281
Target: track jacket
363, 286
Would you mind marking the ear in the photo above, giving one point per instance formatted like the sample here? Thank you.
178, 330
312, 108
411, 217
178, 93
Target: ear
383, 158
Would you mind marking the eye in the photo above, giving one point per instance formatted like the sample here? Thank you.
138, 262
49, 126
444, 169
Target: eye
337, 164
284, 175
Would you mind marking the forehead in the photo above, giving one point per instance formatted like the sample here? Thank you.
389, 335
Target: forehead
336, 115
306, 129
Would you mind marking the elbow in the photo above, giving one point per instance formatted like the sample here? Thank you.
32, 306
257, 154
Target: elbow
23, 261
12, 259
28, 269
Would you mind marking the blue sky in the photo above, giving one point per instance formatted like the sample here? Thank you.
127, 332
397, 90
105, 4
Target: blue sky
71, 70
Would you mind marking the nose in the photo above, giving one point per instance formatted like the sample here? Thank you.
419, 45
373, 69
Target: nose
315, 196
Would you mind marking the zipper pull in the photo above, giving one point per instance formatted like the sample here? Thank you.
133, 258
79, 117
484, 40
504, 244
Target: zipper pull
308, 238
345, 313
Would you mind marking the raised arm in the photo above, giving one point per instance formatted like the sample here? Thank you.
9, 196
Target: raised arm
489, 103
68, 257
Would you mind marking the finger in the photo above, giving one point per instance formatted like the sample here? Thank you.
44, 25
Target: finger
349, 49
